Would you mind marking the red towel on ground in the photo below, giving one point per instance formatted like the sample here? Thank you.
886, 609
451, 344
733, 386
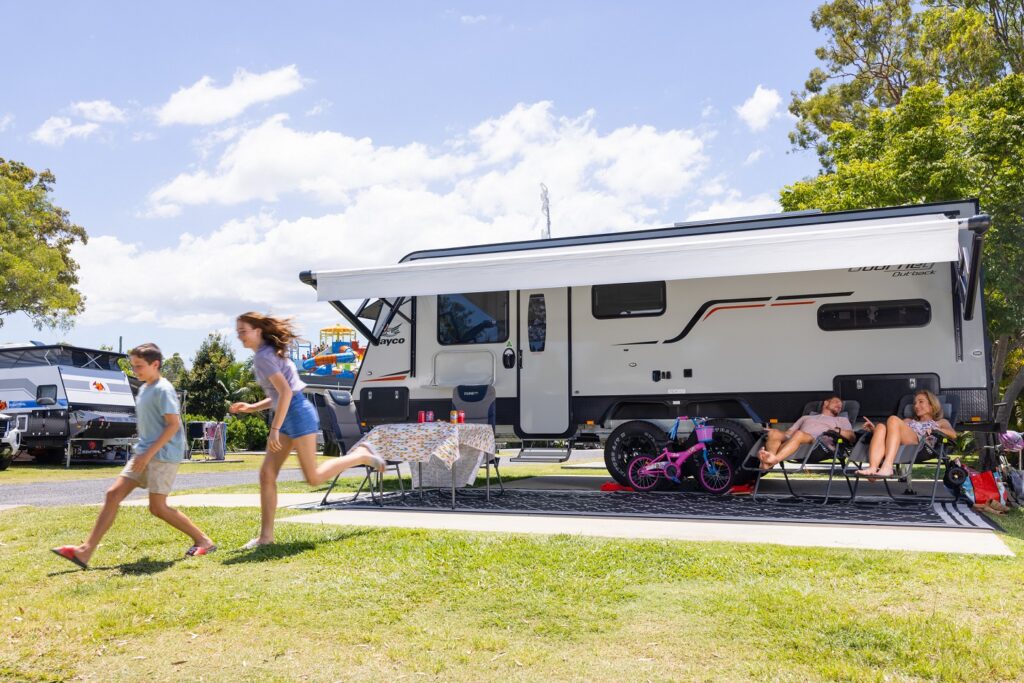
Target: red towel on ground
615, 486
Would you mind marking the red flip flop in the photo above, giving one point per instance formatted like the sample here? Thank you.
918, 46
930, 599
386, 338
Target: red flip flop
68, 553
197, 550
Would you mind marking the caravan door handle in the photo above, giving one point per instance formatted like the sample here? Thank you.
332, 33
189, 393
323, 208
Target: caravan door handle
520, 359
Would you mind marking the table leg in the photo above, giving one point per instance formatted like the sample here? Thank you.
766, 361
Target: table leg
453, 486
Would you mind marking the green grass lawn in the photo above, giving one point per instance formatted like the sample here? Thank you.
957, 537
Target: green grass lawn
387, 604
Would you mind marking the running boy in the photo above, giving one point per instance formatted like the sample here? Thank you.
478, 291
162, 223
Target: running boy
158, 454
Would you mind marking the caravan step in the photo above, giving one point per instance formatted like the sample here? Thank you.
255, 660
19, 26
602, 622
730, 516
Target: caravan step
543, 455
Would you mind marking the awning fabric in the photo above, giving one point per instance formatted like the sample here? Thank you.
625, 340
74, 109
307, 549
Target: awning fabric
829, 246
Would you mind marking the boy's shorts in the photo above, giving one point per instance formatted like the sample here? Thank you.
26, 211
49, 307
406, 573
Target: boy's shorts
158, 476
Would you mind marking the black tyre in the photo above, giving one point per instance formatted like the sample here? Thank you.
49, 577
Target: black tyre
731, 441
48, 456
628, 441
5, 460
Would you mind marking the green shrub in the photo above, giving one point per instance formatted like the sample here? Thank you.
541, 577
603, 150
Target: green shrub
247, 433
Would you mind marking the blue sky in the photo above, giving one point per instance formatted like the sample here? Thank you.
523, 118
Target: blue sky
214, 150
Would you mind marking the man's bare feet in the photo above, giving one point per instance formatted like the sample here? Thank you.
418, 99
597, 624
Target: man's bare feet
883, 473
765, 456
867, 472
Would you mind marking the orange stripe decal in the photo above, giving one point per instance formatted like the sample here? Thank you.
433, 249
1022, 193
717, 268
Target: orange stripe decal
387, 379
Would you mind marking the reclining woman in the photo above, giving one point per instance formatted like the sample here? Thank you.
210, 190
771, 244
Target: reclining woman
887, 438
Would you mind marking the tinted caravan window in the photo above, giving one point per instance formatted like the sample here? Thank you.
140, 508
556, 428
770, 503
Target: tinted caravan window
537, 316
480, 318
632, 299
874, 315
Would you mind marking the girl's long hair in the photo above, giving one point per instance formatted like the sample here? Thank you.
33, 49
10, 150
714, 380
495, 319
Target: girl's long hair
278, 332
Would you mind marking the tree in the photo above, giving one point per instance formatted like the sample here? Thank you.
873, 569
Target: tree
238, 383
37, 274
933, 146
173, 369
876, 50
206, 393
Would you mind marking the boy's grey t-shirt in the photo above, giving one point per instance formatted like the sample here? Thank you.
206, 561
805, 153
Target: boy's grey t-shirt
265, 363
154, 401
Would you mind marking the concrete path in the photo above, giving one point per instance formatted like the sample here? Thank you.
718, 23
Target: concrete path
967, 541
239, 500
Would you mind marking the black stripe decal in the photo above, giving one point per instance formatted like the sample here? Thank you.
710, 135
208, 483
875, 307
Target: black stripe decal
811, 296
704, 307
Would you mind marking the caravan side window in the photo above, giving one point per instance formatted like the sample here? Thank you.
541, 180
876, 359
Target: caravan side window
537, 315
46, 391
632, 299
478, 318
874, 315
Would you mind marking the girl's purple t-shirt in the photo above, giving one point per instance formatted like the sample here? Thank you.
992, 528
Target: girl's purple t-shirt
266, 362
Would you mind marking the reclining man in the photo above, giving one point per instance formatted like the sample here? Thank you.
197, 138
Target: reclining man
780, 445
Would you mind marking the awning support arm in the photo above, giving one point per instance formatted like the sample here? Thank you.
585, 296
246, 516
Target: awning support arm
356, 322
978, 225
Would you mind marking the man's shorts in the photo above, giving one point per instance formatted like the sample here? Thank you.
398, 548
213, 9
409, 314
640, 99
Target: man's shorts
158, 476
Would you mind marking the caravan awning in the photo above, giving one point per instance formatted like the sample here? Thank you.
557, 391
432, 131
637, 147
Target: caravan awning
826, 246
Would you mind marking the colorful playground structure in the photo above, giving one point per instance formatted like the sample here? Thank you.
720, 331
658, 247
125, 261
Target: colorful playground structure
338, 354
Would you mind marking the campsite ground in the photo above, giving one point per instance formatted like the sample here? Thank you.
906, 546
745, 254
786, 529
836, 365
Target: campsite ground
362, 603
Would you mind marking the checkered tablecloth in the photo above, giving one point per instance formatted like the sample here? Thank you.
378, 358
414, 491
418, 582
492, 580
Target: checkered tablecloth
452, 445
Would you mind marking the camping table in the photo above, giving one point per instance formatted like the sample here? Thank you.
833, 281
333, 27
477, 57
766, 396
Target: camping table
434, 442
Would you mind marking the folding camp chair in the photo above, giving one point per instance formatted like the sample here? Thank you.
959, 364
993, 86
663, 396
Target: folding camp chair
829, 449
938, 447
347, 431
478, 403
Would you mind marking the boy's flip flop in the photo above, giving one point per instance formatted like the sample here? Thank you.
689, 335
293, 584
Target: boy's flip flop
197, 550
68, 553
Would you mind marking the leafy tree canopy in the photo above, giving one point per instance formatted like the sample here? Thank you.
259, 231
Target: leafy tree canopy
876, 50
206, 393
37, 274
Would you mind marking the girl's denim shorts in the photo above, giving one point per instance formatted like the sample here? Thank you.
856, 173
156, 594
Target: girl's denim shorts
301, 418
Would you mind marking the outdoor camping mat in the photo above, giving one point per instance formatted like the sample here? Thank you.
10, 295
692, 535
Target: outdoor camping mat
675, 506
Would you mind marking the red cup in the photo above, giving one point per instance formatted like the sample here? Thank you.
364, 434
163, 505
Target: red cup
421, 416
462, 417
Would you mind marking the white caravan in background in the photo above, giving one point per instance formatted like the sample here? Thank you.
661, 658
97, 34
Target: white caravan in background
609, 337
67, 402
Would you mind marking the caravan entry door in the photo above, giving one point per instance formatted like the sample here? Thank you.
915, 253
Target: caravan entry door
544, 362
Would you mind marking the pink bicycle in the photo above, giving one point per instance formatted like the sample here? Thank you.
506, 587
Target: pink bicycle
714, 472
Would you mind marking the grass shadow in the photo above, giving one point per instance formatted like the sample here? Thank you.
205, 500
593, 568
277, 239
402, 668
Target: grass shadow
143, 567
277, 551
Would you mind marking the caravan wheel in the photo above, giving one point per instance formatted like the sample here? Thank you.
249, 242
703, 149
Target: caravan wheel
628, 441
6, 456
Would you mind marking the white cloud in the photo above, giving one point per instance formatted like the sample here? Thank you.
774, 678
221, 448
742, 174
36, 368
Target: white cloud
733, 205
473, 19
500, 159
319, 108
5, 121
202, 103
754, 156
383, 202
760, 108
57, 129
100, 111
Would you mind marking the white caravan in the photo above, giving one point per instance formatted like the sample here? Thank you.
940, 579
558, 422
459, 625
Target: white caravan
67, 401
609, 337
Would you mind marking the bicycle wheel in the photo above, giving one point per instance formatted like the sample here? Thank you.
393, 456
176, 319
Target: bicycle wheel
640, 480
716, 473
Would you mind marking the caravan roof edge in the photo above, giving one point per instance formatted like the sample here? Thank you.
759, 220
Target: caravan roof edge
953, 208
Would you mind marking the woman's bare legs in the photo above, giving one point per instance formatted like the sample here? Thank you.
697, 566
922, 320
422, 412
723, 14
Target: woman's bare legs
898, 433
876, 451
